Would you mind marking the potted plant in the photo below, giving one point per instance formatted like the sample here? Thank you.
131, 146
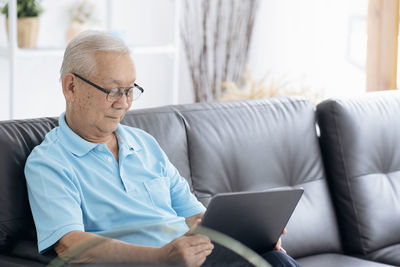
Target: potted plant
81, 13
28, 12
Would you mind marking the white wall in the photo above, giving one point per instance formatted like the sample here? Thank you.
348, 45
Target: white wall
320, 43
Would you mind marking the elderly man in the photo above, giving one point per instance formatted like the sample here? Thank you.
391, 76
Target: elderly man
92, 176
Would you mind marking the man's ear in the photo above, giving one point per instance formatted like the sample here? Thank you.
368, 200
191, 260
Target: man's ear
68, 82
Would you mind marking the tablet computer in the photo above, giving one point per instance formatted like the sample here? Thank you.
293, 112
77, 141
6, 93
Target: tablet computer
256, 219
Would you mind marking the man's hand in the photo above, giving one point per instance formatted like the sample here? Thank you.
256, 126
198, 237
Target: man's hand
190, 250
278, 245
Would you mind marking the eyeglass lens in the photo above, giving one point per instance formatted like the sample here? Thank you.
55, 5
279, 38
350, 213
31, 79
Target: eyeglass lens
132, 93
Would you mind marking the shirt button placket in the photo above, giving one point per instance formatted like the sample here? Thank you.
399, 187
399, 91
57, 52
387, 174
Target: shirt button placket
122, 175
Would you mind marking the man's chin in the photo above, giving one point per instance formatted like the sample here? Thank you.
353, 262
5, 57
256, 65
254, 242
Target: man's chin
112, 122
111, 125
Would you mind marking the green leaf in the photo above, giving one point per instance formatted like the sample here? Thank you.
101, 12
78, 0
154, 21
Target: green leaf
25, 8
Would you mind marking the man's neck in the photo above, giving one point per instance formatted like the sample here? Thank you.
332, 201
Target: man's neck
112, 145
95, 137
110, 140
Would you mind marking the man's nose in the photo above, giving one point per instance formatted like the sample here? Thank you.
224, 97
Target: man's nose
122, 103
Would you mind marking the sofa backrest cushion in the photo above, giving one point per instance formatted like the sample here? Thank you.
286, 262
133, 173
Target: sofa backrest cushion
260, 144
17, 139
360, 140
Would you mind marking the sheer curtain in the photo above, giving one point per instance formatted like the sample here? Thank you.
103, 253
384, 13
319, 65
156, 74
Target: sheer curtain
216, 37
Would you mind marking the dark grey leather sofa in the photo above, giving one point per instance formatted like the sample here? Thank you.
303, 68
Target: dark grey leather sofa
349, 214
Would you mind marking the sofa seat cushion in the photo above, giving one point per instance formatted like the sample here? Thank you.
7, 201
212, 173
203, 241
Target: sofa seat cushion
388, 255
335, 260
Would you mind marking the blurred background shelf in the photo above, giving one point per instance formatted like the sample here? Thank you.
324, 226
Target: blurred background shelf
33, 72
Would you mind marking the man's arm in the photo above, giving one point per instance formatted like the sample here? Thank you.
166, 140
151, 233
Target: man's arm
191, 250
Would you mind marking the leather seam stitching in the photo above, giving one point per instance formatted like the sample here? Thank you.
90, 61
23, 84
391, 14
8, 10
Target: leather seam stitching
373, 173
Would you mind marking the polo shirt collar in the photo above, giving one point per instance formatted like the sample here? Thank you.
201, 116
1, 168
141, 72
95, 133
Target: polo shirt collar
80, 147
126, 140
73, 142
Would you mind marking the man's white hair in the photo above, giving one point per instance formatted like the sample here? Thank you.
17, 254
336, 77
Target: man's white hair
79, 54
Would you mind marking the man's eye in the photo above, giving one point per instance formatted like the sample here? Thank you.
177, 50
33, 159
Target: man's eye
114, 91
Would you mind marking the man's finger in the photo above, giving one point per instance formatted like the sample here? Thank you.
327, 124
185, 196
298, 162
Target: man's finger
202, 248
200, 260
205, 247
278, 244
195, 240
201, 257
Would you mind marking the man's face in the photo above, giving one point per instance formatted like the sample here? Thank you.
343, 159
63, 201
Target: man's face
92, 110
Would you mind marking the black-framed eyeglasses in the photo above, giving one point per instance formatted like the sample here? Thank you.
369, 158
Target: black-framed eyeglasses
115, 94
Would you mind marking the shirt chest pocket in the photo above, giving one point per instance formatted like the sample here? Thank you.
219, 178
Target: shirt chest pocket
159, 193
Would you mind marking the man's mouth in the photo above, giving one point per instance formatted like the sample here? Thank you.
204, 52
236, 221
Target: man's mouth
113, 117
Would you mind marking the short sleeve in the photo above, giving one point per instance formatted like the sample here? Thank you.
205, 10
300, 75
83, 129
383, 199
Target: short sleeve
183, 201
53, 197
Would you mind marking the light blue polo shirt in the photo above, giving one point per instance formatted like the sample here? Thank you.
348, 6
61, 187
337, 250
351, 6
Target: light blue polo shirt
77, 185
